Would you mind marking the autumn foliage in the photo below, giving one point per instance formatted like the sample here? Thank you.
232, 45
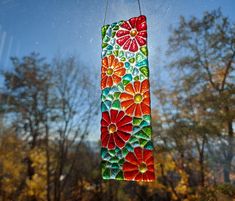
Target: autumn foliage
48, 110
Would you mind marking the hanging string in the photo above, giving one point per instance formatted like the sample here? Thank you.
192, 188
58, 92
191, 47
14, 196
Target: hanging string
139, 7
106, 10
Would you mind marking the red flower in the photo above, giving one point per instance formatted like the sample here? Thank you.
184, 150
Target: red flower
115, 129
139, 165
133, 34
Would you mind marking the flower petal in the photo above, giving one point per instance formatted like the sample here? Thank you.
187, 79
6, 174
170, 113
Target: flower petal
116, 79
130, 175
132, 158
125, 136
126, 128
103, 82
120, 116
141, 19
141, 27
140, 40
145, 108
139, 177
141, 23
110, 60
127, 44
130, 109
118, 65
113, 115
120, 72
111, 143
124, 121
109, 82
122, 40
133, 46
139, 154
129, 167
104, 123
118, 141
138, 112
150, 160
122, 33
104, 139
127, 103
125, 96
150, 175
105, 117
132, 22
142, 34
145, 178
115, 62
104, 129
150, 167
137, 86
146, 101
146, 95
103, 73
105, 62
147, 154
129, 88
144, 86
125, 25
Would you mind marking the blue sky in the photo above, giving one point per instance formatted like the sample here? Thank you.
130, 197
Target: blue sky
72, 27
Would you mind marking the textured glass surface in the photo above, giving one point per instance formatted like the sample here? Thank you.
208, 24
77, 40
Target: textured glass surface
127, 150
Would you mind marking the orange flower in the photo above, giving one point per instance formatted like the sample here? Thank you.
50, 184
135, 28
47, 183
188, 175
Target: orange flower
136, 99
112, 71
139, 165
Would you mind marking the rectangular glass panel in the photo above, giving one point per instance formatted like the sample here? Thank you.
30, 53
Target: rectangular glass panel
127, 149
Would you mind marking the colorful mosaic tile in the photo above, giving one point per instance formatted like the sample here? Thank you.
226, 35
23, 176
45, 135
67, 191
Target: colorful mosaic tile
127, 149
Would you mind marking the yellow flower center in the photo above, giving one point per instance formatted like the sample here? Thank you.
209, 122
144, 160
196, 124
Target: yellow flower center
138, 98
109, 71
143, 167
112, 128
133, 32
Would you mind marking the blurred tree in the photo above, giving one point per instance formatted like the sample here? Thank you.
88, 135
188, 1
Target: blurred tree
47, 111
52, 107
12, 170
75, 89
26, 102
35, 187
203, 52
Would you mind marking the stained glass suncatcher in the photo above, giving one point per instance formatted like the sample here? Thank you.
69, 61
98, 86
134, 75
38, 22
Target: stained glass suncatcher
127, 149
